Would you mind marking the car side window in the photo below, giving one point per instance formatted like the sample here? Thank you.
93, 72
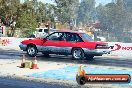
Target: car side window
69, 37
46, 30
56, 36
72, 37
78, 38
40, 30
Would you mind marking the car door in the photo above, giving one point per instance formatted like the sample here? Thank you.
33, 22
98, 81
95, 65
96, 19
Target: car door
53, 43
72, 40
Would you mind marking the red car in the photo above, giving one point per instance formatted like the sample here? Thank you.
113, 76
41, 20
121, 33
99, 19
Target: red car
79, 45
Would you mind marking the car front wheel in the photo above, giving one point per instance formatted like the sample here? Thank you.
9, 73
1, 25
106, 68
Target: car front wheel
77, 53
31, 50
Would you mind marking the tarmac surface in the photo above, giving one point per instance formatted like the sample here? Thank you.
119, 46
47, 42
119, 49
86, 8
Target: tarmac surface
10, 59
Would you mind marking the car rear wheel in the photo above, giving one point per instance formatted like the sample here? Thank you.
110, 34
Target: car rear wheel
32, 50
77, 53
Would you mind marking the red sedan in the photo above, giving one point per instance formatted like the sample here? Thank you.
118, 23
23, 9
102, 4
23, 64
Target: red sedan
79, 45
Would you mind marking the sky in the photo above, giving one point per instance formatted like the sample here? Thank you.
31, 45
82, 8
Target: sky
102, 1
97, 1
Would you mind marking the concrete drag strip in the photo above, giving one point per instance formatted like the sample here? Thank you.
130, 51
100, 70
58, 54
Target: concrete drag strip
61, 67
10, 70
31, 82
17, 83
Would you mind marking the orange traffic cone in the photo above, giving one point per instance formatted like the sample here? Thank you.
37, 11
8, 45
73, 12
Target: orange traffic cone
34, 65
23, 61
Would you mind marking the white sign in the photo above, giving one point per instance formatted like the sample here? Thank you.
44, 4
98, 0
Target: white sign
121, 49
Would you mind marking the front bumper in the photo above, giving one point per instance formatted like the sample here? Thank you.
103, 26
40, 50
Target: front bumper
97, 51
23, 47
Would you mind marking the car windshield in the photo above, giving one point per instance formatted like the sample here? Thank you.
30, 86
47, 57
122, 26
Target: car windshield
86, 37
40, 30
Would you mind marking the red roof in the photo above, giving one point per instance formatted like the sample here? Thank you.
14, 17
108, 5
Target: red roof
69, 31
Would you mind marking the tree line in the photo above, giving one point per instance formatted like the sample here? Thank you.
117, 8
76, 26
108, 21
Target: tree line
114, 17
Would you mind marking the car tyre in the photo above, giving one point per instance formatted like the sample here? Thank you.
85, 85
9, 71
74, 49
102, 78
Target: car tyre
77, 53
32, 50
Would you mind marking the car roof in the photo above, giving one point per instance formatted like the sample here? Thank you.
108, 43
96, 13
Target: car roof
46, 28
70, 31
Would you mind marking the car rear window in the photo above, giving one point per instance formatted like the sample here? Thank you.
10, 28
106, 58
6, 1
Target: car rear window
86, 37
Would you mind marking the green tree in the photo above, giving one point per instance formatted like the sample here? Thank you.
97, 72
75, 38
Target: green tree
86, 11
27, 24
66, 11
40, 12
113, 17
27, 17
9, 10
102, 17
128, 5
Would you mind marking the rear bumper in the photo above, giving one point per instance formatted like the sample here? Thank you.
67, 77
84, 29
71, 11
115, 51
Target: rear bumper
97, 51
23, 47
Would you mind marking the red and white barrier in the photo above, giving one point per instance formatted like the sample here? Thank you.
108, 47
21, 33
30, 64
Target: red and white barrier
119, 49
10, 43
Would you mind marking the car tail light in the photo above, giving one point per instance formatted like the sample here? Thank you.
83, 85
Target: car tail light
102, 46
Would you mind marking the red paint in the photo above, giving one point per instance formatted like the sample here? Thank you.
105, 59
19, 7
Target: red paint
119, 47
4, 42
126, 48
42, 42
